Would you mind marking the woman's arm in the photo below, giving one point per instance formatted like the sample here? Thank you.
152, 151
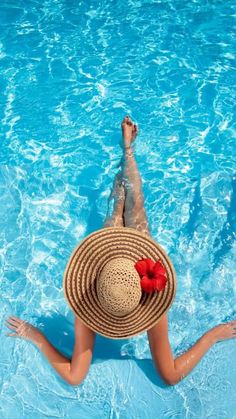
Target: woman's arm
173, 370
72, 371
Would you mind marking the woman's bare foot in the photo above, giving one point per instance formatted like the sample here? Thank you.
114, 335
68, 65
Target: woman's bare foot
129, 131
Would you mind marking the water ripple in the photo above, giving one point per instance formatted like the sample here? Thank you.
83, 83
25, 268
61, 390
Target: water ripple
69, 73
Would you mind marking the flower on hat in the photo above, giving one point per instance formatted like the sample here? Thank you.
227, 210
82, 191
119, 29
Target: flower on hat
152, 275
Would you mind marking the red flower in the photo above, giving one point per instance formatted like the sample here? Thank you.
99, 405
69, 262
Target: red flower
152, 275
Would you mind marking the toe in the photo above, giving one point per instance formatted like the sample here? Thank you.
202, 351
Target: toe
125, 120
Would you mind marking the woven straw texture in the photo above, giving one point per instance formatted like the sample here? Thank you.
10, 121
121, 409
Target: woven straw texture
118, 288
85, 266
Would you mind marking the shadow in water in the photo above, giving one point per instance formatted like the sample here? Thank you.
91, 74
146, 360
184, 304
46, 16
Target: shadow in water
94, 219
59, 330
227, 235
195, 209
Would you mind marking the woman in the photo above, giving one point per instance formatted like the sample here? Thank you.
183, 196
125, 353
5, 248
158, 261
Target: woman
128, 211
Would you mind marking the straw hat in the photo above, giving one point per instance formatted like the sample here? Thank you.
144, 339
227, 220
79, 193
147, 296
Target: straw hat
103, 286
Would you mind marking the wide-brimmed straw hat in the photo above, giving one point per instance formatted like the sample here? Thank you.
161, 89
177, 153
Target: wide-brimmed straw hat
103, 285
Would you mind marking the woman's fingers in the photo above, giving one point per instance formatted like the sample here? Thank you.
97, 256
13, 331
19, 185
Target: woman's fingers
16, 319
17, 325
21, 328
11, 326
229, 329
13, 321
232, 325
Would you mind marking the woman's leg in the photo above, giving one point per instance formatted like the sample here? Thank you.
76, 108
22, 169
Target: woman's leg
116, 200
126, 202
134, 211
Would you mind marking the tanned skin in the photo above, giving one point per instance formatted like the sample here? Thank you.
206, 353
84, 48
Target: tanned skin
128, 211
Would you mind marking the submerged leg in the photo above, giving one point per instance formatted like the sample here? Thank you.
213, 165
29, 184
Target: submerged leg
116, 200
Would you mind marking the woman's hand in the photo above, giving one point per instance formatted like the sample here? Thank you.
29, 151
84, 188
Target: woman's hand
224, 331
22, 329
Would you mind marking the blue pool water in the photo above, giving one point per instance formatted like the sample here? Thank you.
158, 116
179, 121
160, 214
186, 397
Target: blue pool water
70, 71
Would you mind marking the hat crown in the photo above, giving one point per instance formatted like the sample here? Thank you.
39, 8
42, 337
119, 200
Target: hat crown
118, 287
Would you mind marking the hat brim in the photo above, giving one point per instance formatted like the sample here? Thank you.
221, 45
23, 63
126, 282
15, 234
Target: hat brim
86, 263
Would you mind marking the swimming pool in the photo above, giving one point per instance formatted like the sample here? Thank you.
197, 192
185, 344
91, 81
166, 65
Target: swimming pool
69, 73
